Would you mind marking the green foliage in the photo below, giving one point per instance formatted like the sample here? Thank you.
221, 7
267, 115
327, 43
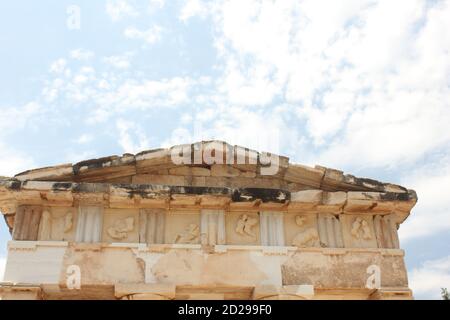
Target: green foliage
445, 294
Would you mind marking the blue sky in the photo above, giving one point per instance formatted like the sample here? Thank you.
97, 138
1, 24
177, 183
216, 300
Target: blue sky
362, 86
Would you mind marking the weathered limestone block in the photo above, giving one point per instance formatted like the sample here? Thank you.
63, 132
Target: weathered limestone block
121, 198
330, 231
361, 201
214, 202
194, 267
304, 175
120, 225
332, 179
358, 231
60, 198
243, 228
90, 199
348, 270
332, 202
152, 160
301, 230
221, 170
190, 171
396, 293
34, 263
29, 197
159, 179
182, 227
26, 223
152, 226
102, 265
62, 172
272, 228
20, 292
212, 227
386, 231
305, 200
57, 224
106, 167
90, 224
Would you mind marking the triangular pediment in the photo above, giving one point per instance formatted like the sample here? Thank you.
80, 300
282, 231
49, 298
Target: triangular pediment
207, 164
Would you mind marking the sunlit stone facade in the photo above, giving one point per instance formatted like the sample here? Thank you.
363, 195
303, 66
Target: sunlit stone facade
206, 220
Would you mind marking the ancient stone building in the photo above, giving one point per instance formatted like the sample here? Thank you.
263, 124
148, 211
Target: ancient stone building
206, 220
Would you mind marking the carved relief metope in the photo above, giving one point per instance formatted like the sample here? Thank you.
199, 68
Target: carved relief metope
358, 231
121, 227
54, 228
190, 234
361, 229
245, 226
309, 237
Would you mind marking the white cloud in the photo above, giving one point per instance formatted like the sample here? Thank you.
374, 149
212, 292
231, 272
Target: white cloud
81, 54
113, 92
193, 8
427, 280
2, 267
84, 138
119, 61
145, 94
126, 131
157, 3
12, 121
58, 66
120, 9
13, 161
432, 211
150, 36
355, 72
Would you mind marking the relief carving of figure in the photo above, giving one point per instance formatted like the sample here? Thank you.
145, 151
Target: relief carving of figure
307, 238
189, 235
361, 229
245, 224
120, 228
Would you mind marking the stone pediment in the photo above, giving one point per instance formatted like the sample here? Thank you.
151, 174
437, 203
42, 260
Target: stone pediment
138, 220
198, 165
192, 177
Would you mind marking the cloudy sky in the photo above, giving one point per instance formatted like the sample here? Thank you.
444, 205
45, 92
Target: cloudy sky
358, 85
